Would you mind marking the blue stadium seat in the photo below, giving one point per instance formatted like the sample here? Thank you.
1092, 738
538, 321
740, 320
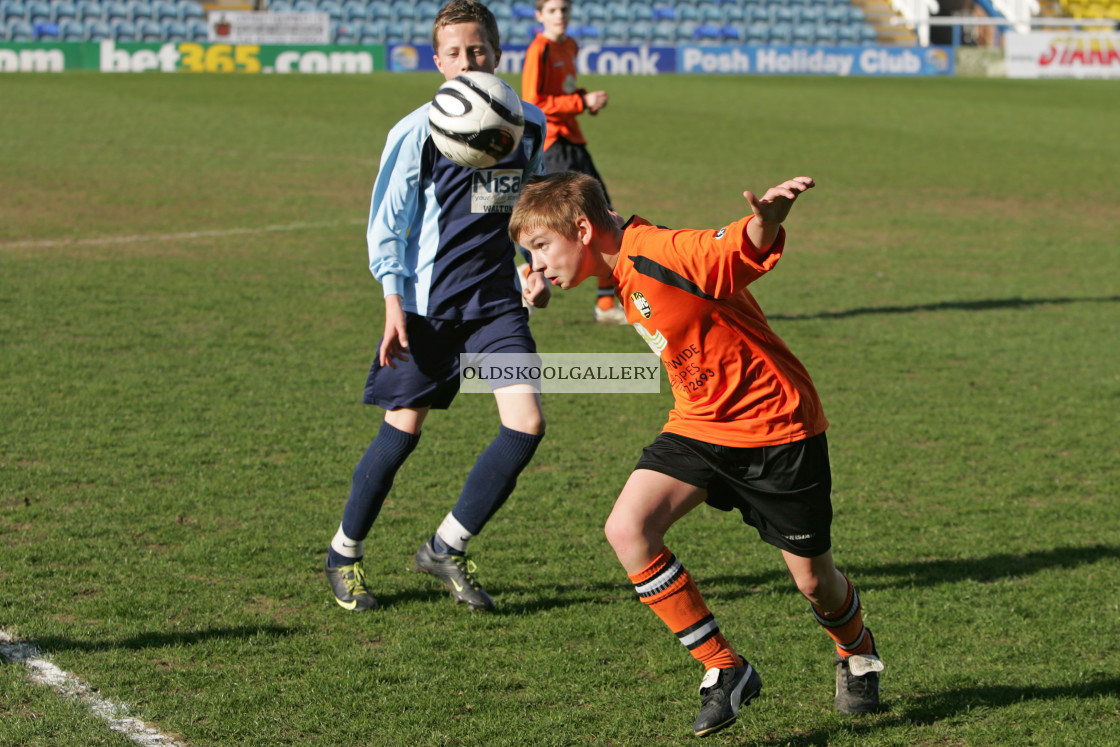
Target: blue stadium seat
174, 30
706, 33
122, 30
664, 13
522, 11
71, 30
731, 33
96, 30
590, 31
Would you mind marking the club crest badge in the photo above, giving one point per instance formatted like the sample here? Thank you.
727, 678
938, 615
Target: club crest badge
641, 304
720, 233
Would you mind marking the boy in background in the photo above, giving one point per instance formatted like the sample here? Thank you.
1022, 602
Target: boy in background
747, 430
439, 246
548, 80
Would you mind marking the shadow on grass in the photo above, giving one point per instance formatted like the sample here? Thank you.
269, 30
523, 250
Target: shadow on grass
927, 709
981, 305
921, 573
50, 644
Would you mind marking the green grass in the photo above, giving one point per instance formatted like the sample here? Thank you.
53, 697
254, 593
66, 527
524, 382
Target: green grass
181, 417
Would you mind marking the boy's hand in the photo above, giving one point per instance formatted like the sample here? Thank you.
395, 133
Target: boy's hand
537, 292
775, 205
394, 343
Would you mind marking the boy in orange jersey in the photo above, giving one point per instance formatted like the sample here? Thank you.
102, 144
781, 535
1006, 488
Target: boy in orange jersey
548, 79
746, 431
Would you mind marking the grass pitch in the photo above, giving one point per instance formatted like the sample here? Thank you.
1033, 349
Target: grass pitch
186, 320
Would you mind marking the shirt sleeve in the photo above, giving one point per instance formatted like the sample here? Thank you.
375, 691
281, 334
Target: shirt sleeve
719, 262
395, 202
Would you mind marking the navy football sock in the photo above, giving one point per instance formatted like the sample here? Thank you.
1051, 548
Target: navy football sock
373, 477
494, 476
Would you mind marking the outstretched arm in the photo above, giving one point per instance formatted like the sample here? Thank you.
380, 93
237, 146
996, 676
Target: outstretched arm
773, 209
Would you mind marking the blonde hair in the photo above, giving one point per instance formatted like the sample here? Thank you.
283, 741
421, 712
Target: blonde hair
557, 201
467, 11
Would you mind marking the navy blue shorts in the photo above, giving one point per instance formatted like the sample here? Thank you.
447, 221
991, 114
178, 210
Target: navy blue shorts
782, 491
430, 376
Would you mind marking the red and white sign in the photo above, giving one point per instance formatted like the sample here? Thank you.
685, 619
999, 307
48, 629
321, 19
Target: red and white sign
247, 27
1062, 55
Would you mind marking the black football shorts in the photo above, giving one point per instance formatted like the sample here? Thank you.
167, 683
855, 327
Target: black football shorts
782, 491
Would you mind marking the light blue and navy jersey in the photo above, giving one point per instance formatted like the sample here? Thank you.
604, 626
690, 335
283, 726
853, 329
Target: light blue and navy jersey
437, 231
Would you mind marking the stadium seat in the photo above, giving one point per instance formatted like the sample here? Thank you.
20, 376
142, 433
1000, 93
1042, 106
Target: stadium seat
780, 14
781, 33
664, 32
11, 9
88, 9
426, 12
685, 30
618, 10
122, 30
276, 6
855, 13
731, 33
353, 10
37, 12
710, 12
305, 6
148, 30
370, 32
140, 10
505, 13
734, 13
867, 35
332, 8
640, 11
197, 29
825, 34
173, 29
398, 32
804, 33
380, 10
809, 14
71, 30
757, 33
706, 33
96, 30
595, 13
523, 11
688, 13
590, 31
664, 13
163, 10
847, 34
641, 31
62, 11
616, 32
758, 14
20, 30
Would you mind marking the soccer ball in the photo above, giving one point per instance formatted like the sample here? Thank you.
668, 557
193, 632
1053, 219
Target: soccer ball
476, 119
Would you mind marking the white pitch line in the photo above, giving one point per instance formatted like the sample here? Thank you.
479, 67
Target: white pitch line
184, 236
71, 687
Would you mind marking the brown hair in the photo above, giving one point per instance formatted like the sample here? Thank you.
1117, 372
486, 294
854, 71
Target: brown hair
540, 4
556, 202
467, 11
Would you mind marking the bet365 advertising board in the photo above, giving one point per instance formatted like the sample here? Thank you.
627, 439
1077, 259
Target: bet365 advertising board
224, 57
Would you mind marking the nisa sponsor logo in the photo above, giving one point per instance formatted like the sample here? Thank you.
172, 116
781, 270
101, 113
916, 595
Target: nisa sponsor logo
497, 181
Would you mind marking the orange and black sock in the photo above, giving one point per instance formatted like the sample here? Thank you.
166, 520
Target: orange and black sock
845, 626
605, 295
670, 592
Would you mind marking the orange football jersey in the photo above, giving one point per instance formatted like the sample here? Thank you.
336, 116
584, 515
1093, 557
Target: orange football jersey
734, 381
548, 79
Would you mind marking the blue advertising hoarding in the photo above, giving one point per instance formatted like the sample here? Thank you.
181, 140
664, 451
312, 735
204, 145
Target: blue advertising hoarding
730, 60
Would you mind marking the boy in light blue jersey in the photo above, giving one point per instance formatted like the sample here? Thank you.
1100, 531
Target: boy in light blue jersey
439, 246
